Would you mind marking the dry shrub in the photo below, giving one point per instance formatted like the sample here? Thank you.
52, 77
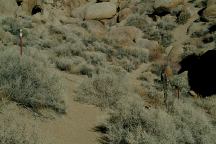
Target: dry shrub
27, 81
131, 122
15, 132
155, 53
94, 58
102, 90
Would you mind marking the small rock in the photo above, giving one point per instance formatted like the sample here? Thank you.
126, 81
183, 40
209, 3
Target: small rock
192, 93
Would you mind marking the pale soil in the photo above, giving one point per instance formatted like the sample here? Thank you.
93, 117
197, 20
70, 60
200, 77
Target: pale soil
75, 127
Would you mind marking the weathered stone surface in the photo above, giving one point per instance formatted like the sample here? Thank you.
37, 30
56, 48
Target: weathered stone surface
211, 2
96, 28
48, 1
168, 3
123, 14
210, 13
125, 35
145, 43
99, 11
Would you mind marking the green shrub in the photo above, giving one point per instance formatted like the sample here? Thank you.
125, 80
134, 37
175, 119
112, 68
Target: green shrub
11, 25
27, 81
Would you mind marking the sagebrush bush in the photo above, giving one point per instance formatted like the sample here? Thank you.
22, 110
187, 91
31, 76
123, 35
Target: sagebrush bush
27, 81
183, 17
102, 90
132, 123
69, 64
94, 58
208, 104
12, 132
64, 64
158, 31
104, 48
140, 21
140, 53
192, 124
11, 25
70, 49
167, 23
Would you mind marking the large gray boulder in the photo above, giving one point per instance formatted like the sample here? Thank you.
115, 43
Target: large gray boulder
124, 36
100, 11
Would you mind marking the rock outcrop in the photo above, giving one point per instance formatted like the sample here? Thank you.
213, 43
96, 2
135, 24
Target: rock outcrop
168, 3
95, 11
210, 12
125, 35
99, 11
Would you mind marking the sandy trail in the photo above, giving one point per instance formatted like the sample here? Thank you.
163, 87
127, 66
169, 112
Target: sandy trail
76, 127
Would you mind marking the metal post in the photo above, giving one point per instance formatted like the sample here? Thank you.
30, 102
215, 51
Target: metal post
21, 42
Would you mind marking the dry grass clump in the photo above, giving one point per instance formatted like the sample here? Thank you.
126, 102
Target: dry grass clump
28, 82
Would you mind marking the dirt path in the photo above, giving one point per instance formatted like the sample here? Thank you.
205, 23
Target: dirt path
76, 127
